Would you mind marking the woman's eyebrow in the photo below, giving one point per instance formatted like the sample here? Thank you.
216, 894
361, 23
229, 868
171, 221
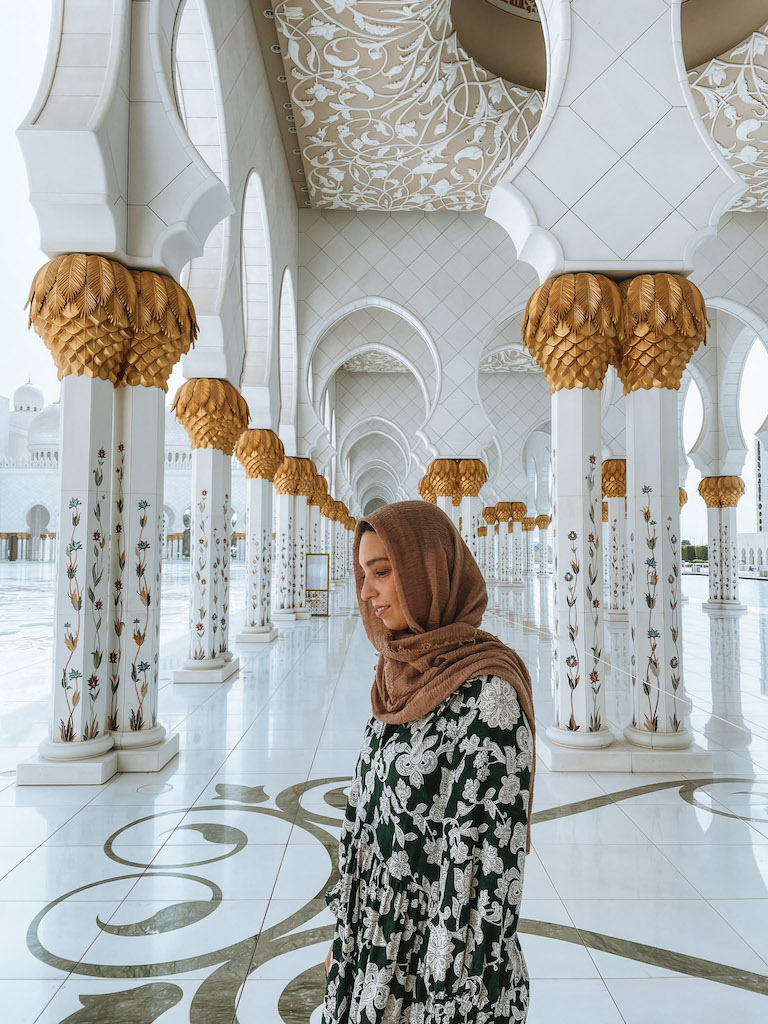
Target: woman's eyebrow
381, 558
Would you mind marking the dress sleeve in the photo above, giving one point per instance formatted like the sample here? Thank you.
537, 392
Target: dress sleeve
472, 956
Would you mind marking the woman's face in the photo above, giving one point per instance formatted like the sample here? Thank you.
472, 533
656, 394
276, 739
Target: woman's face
379, 582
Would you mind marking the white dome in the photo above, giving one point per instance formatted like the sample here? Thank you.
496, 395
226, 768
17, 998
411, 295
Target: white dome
28, 398
45, 430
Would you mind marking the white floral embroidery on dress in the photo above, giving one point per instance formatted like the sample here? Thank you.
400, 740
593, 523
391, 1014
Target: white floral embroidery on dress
499, 706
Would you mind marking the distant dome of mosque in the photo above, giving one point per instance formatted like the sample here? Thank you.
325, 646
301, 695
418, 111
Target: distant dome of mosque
28, 398
45, 430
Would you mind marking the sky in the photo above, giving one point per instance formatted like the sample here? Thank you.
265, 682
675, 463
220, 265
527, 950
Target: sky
23, 44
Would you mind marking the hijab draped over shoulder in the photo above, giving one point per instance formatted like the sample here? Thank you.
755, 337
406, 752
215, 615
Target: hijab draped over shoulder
443, 597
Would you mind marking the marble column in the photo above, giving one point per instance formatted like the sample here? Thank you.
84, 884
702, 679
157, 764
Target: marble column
516, 553
663, 324
570, 326
327, 511
504, 515
81, 306
528, 525
480, 557
721, 495
319, 491
261, 452
543, 524
444, 477
491, 544
288, 479
614, 481
79, 746
134, 605
214, 415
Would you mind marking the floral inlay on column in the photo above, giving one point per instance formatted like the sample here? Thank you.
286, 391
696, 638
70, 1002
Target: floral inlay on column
571, 326
663, 323
260, 451
721, 495
214, 415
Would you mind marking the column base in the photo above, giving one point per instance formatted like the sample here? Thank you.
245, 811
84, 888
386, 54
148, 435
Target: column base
302, 614
215, 670
622, 756
615, 615
148, 759
257, 635
90, 771
658, 740
284, 615
724, 608
517, 584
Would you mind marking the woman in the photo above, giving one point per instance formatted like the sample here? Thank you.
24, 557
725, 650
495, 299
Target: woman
435, 833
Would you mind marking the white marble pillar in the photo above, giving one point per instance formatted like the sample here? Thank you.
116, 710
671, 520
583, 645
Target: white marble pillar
470, 517
616, 607
491, 521
722, 494
300, 534
653, 524
224, 543
210, 490
5, 546
283, 606
543, 523
505, 549
315, 529
517, 556
259, 494
79, 746
529, 554
481, 557
134, 606
579, 690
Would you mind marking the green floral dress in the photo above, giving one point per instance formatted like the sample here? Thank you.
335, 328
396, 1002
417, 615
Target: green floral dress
431, 862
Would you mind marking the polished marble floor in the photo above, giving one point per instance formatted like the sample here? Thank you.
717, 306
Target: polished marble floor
195, 895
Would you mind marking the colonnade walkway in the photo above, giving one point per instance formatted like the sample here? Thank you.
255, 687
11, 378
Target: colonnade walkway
195, 894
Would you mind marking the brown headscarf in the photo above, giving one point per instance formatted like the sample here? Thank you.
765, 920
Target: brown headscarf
443, 596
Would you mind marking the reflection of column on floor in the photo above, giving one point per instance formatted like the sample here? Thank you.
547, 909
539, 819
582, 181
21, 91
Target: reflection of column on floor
491, 544
545, 626
543, 524
721, 495
472, 475
261, 453
725, 670
654, 354
214, 414
529, 603
570, 327
517, 555
506, 541
614, 476
528, 525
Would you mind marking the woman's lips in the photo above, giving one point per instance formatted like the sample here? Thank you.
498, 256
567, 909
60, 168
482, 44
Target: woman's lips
382, 610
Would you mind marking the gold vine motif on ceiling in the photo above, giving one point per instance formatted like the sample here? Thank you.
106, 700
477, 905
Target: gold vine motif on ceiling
731, 94
391, 112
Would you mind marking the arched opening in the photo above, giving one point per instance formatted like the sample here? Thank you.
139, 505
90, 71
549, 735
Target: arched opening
256, 284
693, 517
38, 518
752, 413
287, 345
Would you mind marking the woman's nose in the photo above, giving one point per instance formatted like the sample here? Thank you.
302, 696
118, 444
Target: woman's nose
367, 591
